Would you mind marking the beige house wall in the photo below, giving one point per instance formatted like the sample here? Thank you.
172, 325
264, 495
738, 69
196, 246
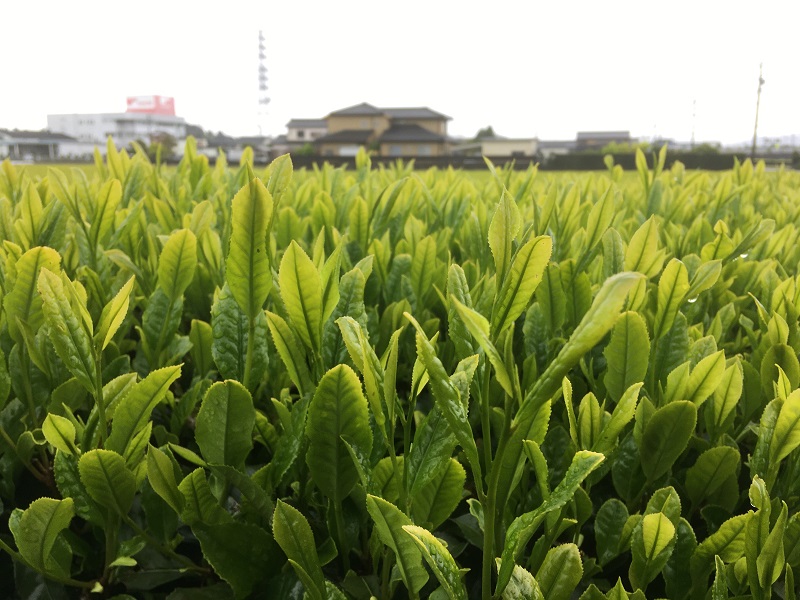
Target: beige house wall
508, 147
376, 123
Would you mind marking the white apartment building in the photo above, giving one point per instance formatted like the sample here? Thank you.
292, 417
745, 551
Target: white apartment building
124, 127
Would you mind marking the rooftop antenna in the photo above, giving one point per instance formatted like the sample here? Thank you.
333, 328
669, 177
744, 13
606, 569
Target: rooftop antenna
263, 99
758, 102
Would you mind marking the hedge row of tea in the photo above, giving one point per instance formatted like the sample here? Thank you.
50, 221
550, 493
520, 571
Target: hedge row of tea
223, 383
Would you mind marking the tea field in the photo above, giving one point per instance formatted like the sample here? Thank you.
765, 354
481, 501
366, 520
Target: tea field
224, 382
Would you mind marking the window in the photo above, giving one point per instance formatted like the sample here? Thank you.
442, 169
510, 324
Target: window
395, 150
301, 134
424, 150
363, 124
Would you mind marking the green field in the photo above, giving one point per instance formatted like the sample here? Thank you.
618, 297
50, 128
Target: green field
225, 382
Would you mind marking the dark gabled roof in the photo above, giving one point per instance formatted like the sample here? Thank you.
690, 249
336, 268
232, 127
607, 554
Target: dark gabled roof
358, 110
603, 135
43, 135
409, 133
347, 136
422, 112
309, 123
279, 139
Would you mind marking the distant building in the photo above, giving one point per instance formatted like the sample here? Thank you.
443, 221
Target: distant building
498, 146
596, 140
40, 145
548, 148
304, 131
417, 131
146, 117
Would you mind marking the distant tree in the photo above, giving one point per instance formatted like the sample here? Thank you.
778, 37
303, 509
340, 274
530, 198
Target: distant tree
306, 149
165, 142
625, 148
706, 148
486, 132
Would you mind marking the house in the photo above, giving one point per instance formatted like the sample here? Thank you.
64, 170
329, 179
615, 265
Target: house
498, 145
40, 145
548, 148
417, 131
304, 131
597, 140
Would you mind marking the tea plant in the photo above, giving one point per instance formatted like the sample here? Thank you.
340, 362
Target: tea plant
223, 383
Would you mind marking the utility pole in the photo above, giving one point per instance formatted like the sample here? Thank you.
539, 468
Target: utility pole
758, 102
263, 99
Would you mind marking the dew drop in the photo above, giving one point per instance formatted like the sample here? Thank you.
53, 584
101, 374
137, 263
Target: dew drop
692, 300
743, 255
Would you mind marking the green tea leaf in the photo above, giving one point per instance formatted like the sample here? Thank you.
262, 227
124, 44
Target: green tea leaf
247, 265
161, 476
293, 534
70, 339
338, 409
672, 288
135, 408
199, 504
389, 523
627, 354
665, 437
560, 572
440, 560
522, 585
60, 433
518, 287
524, 526
504, 227
113, 315
177, 263
38, 535
301, 290
240, 554
710, 471
108, 480
224, 430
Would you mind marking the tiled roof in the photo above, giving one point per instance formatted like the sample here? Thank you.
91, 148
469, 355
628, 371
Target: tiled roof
347, 136
358, 110
422, 112
307, 123
409, 133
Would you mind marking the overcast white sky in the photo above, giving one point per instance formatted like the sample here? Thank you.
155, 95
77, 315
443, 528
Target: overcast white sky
546, 68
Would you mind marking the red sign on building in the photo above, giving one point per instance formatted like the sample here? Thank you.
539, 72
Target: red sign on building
154, 105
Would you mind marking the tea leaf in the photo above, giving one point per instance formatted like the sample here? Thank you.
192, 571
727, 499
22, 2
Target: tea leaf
389, 523
247, 264
440, 561
301, 290
225, 424
38, 535
338, 409
108, 480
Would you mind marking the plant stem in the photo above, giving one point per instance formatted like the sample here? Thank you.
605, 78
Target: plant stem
100, 399
485, 422
340, 535
251, 347
489, 516
412, 403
